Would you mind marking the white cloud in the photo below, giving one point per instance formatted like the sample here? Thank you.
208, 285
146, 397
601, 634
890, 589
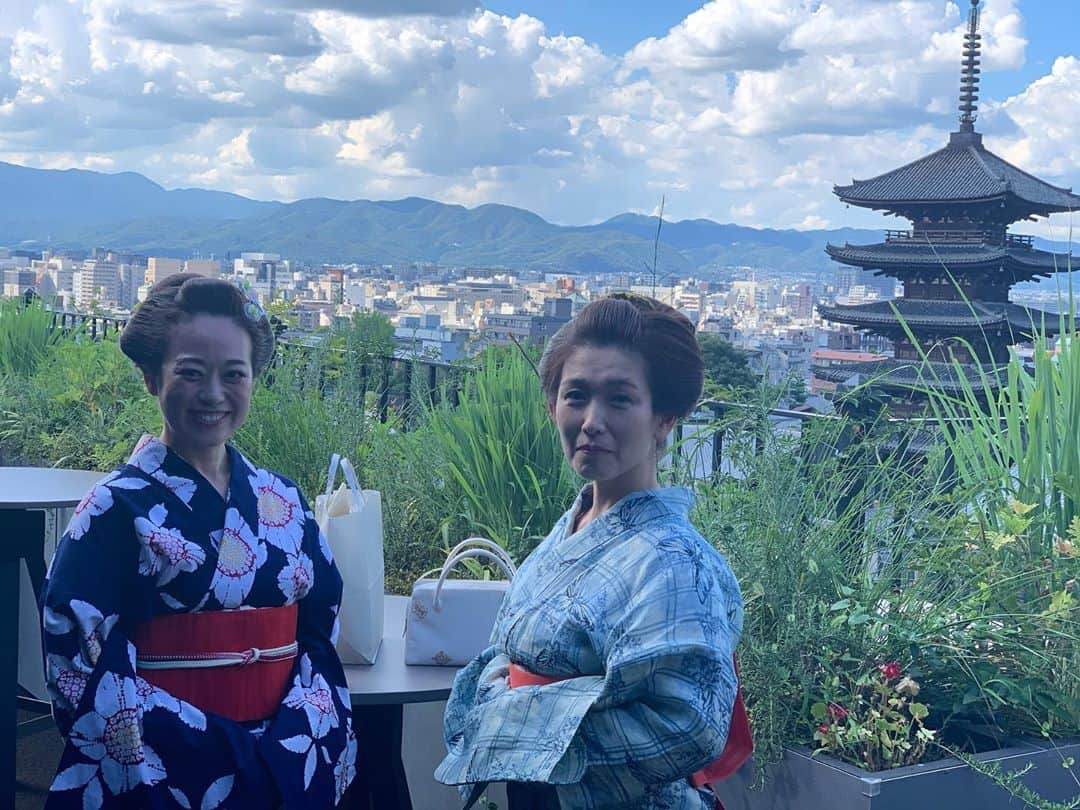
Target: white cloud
747, 109
1045, 139
723, 35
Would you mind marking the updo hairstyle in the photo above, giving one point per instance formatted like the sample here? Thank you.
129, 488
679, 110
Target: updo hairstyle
662, 335
180, 297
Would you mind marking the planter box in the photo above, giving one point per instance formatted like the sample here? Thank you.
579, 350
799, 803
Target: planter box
802, 782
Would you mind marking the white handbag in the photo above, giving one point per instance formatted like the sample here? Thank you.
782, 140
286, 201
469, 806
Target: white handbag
449, 620
351, 519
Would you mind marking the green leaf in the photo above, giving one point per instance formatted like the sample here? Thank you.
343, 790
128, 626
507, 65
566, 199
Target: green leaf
843, 604
819, 711
918, 710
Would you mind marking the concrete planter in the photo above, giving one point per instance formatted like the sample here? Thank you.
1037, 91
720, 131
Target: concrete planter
802, 782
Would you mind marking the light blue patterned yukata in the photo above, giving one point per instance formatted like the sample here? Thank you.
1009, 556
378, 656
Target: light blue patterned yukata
643, 616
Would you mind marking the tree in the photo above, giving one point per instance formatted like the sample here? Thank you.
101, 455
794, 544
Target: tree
727, 372
367, 333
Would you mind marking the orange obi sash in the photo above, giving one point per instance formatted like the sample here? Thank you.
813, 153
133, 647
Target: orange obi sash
235, 663
740, 741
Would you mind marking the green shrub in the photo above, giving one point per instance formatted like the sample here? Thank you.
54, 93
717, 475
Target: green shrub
500, 467
855, 554
85, 406
294, 425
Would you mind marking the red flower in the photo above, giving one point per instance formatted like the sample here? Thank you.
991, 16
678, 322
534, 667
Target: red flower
823, 728
890, 670
837, 712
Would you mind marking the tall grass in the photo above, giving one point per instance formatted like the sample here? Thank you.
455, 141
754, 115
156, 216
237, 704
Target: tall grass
500, 465
1020, 442
25, 336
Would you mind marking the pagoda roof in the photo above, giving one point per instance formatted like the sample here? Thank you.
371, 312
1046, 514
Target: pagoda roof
923, 313
908, 375
964, 171
912, 252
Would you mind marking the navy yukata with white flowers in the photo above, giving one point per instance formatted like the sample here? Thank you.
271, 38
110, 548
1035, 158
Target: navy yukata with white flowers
640, 616
154, 538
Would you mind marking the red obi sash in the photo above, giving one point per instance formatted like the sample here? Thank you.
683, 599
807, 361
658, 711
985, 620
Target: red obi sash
740, 741
235, 663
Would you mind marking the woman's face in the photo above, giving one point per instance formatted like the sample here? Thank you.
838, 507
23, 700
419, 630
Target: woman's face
603, 410
204, 387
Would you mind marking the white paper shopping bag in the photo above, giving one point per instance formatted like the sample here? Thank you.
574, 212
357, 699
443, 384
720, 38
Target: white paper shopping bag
351, 519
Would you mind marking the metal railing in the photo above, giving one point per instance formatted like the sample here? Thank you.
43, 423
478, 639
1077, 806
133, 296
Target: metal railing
93, 325
403, 385
960, 237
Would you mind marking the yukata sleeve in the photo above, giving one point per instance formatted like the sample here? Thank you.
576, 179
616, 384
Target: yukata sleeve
665, 708
660, 712
310, 746
128, 744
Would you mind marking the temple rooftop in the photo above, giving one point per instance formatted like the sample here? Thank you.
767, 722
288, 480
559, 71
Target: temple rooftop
906, 253
951, 314
964, 171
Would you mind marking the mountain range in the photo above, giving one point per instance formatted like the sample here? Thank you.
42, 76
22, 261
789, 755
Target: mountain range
75, 208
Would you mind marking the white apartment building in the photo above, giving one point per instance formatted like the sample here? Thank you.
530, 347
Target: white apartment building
62, 273
356, 294
96, 284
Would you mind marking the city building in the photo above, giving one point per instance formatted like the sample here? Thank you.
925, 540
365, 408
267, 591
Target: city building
132, 279
17, 281
259, 271
203, 267
96, 285
426, 336
158, 268
527, 327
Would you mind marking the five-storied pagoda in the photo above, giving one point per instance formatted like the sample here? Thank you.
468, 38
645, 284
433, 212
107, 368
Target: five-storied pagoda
958, 261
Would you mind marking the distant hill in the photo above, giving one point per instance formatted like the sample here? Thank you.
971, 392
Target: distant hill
33, 202
80, 209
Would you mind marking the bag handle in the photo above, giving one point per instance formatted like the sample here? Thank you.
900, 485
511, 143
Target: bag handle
473, 552
351, 482
331, 474
489, 544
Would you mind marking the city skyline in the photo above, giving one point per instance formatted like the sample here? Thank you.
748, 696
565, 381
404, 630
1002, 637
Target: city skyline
739, 112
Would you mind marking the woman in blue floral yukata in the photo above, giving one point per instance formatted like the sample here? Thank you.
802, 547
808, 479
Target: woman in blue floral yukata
610, 682
191, 608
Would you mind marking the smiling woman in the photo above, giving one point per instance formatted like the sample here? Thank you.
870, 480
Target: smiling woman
190, 608
199, 346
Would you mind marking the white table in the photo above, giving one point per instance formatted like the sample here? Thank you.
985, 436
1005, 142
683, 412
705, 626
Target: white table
23, 490
378, 694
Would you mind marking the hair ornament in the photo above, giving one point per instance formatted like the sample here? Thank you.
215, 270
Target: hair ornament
253, 310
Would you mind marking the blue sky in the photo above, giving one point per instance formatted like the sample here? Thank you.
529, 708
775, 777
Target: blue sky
614, 26
743, 111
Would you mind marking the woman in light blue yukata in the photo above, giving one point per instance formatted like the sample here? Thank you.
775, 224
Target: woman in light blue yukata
610, 679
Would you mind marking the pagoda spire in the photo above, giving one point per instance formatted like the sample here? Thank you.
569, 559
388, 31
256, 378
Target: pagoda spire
969, 74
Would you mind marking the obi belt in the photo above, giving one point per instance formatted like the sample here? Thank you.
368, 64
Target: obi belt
235, 663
